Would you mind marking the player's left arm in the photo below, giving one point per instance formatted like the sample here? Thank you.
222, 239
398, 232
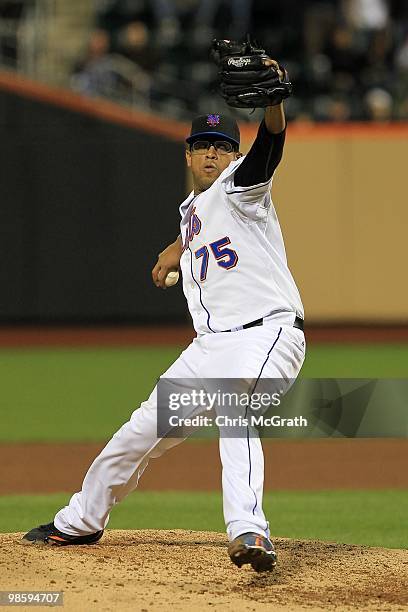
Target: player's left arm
275, 115
266, 152
275, 121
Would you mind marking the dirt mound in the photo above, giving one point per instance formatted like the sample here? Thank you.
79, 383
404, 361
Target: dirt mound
185, 570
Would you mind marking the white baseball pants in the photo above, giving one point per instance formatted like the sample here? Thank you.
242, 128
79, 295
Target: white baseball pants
274, 350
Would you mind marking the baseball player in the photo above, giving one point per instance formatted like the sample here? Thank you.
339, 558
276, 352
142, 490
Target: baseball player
245, 308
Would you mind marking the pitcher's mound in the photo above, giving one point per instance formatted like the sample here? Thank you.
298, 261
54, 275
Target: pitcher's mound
188, 570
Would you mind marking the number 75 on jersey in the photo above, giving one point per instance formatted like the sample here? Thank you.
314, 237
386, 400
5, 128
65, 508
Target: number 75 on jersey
225, 257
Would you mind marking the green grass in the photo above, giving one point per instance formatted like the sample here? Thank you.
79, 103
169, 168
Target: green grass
78, 394
372, 518
86, 394
356, 361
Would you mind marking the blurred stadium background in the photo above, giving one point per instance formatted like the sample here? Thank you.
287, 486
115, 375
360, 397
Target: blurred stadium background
95, 101
348, 58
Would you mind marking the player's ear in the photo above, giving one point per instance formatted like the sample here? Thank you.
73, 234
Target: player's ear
188, 158
238, 155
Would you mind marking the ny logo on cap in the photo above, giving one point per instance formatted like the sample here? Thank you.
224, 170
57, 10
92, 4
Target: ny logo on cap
213, 120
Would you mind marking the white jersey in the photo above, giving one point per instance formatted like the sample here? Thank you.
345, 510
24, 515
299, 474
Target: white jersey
234, 263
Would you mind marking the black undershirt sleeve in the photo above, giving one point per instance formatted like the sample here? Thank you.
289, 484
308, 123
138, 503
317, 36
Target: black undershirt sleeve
262, 159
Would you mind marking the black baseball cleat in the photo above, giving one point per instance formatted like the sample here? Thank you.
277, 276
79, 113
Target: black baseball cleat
49, 534
254, 549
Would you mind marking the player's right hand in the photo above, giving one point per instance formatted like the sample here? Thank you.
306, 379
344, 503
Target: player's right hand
168, 260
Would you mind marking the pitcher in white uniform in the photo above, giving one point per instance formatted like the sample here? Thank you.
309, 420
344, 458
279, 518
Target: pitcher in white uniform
248, 317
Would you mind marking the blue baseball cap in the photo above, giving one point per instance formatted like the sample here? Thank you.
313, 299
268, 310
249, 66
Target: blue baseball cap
214, 125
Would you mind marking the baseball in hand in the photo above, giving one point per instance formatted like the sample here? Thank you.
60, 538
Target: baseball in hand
171, 278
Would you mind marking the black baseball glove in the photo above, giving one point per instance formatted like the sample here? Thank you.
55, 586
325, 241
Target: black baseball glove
248, 77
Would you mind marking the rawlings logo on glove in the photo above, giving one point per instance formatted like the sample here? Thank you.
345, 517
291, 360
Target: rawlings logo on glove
248, 77
239, 62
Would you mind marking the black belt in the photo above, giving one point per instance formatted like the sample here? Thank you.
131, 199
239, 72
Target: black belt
298, 324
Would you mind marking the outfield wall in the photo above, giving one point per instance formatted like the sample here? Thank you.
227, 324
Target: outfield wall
86, 205
342, 200
89, 195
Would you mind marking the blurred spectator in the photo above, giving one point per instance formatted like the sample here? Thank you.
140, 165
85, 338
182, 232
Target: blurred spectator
339, 110
379, 105
89, 74
332, 108
319, 20
158, 15
98, 46
133, 42
366, 14
103, 73
237, 22
345, 57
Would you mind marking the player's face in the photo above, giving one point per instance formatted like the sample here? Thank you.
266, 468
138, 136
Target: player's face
207, 161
